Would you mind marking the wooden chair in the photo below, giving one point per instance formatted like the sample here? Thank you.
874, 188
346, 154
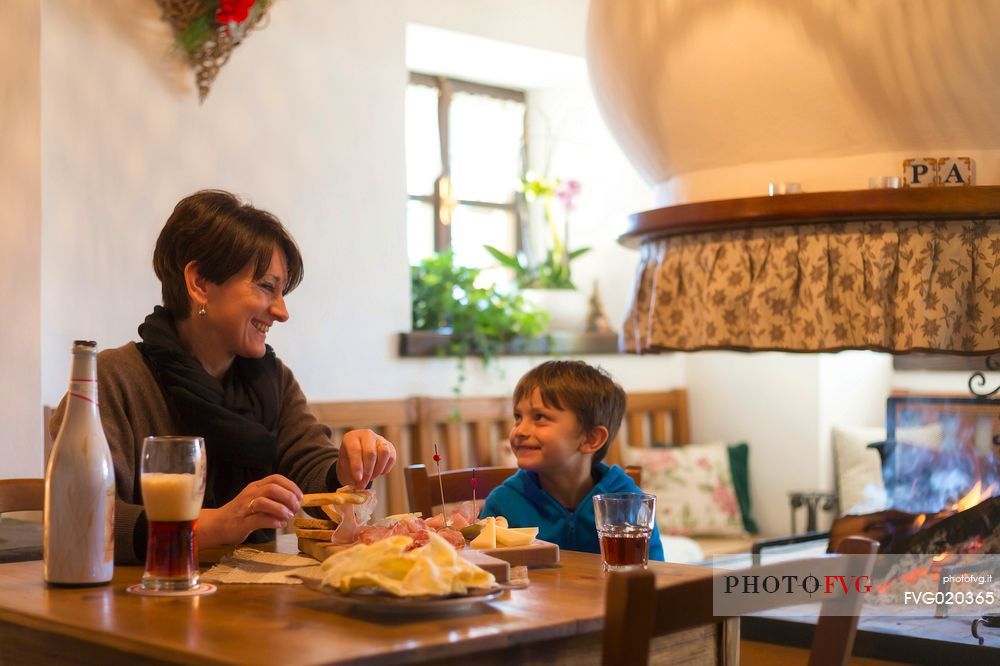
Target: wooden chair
424, 491
22, 495
396, 420
635, 611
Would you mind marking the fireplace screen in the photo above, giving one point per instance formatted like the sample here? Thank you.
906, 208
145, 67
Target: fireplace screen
955, 467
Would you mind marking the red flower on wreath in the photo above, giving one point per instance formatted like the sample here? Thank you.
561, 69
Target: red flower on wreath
233, 11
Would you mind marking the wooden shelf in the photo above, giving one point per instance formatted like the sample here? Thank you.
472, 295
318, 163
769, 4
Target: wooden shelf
931, 203
422, 344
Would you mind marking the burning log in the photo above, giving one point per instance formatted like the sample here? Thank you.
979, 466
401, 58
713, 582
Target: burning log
887, 527
974, 529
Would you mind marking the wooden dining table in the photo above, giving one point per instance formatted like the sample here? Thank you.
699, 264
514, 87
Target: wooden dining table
557, 618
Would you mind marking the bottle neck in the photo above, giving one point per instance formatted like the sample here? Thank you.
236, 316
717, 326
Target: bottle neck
83, 379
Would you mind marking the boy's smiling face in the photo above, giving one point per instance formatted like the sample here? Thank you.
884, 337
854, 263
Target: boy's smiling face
546, 439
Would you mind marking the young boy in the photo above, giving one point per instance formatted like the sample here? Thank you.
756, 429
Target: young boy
566, 414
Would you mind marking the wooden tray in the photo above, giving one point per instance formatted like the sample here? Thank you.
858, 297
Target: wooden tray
499, 567
538, 553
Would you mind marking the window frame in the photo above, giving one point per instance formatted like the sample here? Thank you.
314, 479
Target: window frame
441, 199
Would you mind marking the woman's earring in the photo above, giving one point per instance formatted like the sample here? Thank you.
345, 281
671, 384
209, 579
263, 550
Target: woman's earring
202, 312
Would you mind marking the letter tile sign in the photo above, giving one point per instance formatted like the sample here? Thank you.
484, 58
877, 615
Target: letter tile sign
938, 172
955, 171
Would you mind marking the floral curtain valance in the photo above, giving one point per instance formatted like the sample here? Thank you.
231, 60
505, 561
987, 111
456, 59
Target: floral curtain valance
894, 286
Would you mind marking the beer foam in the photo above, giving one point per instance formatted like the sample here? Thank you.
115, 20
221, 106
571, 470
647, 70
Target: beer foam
171, 498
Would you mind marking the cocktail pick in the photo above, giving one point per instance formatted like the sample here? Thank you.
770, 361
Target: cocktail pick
437, 462
474, 483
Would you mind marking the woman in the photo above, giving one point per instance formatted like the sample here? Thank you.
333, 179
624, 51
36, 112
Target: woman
203, 368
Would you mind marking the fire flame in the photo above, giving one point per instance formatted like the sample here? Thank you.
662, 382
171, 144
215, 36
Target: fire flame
974, 496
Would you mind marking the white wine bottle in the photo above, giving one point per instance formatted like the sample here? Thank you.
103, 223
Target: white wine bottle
80, 485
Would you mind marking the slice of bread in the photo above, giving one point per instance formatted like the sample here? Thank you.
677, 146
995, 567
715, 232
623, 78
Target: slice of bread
319, 535
314, 524
322, 499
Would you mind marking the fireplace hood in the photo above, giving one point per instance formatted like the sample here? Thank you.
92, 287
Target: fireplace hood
712, 100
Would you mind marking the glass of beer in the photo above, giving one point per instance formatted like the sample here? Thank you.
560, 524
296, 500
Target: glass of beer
173, 486
624, 526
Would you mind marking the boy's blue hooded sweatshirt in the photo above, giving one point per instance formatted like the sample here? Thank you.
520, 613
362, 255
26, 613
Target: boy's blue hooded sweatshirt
525, 504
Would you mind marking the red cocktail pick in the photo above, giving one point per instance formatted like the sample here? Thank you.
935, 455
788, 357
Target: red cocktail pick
474, 483
437, 463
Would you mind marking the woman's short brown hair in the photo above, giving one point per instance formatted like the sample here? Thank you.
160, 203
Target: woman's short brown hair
590, 393
223, 235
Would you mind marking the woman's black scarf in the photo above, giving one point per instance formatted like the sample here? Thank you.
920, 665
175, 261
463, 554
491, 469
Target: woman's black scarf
237, 417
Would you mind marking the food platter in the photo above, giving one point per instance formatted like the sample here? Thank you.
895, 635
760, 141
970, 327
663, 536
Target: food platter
377, 601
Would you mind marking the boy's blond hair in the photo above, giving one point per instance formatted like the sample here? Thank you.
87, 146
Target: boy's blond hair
590, 393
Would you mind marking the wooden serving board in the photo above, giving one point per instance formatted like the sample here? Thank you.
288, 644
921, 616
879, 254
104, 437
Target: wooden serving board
538, 553
499, 567
319, 550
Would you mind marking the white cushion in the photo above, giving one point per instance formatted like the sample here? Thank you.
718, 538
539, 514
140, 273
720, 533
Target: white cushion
859, 469
681, 550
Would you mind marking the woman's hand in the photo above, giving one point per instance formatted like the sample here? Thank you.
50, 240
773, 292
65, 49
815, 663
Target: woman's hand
270, 502
363, 457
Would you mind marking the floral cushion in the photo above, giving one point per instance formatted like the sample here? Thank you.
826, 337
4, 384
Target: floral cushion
693, 484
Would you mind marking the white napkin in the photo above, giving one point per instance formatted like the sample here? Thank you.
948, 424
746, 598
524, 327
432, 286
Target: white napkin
249, 565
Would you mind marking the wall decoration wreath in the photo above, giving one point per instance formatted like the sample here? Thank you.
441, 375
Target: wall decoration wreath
207, 31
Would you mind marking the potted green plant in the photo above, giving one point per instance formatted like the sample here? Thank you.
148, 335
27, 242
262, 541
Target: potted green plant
479, 320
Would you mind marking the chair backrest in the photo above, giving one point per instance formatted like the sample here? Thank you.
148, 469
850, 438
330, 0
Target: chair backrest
396, 420
22, 495
47, 439
652, 418
466, 431
635, 611
424, 491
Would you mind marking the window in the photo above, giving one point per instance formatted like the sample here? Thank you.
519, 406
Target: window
465, 154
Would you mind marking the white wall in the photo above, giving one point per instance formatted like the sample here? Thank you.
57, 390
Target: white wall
20, 240
771, 401
306, 120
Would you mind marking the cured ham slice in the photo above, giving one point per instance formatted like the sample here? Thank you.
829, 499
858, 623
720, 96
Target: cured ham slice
454, 537
352, 517
462, 516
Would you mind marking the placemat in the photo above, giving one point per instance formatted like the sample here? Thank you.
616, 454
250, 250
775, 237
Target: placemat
249, 565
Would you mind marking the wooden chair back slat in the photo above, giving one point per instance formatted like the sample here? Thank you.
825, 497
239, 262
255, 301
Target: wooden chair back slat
22, 495
636, 611
424, 492
483, 444
454, 447
659, 426
47, 439
635, 422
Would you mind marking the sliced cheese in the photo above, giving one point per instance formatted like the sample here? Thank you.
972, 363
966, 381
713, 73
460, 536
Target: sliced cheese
516, 537
487, 537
